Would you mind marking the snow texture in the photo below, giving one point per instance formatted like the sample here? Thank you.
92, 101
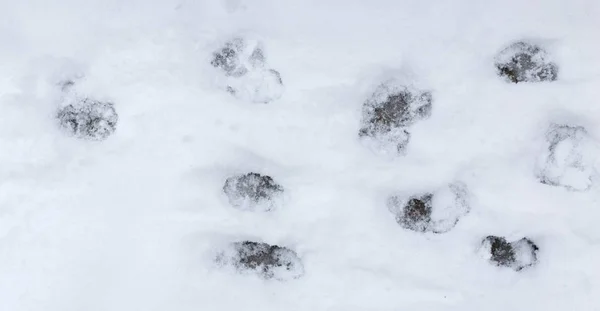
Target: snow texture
135, 221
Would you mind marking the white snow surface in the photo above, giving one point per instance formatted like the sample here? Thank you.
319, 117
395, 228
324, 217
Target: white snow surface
134, 222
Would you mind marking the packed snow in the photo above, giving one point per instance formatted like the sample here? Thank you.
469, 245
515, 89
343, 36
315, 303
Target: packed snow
123, 123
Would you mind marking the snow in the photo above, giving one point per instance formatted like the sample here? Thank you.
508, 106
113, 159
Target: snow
134, 222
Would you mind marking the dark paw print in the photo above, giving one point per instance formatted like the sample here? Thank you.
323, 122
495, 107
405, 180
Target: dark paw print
416, 213
525, 62
437, 212
235, 59
228, 58
252, 191
225, 59
268, 261
389, 112
397, 110
515, 255
502, 252
89, 119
